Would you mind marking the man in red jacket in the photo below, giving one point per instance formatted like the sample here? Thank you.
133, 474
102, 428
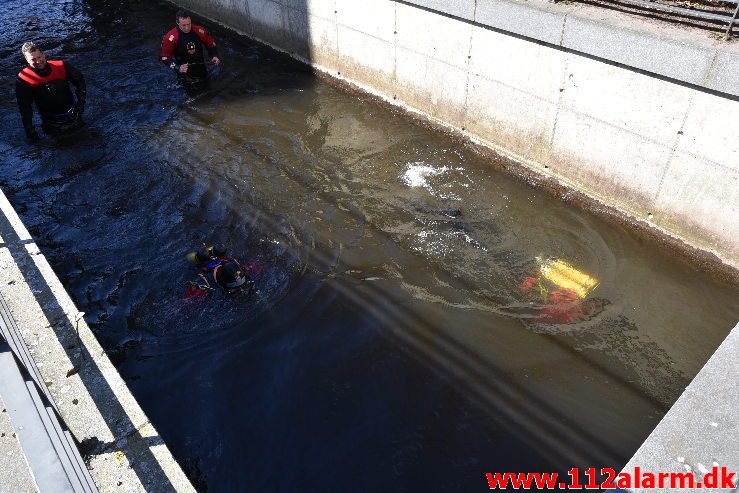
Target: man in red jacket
182, 49
47, 83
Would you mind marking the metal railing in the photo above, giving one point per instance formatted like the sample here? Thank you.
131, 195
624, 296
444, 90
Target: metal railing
724, 18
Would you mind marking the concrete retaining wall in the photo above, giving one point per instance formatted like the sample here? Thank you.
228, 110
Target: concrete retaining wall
640, 115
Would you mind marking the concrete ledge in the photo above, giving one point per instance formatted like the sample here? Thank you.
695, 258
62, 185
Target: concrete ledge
680, 60
464, 9
125, 451
701, 430
535, 20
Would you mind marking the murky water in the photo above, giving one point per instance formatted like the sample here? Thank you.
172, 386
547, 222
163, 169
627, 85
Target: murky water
389, 346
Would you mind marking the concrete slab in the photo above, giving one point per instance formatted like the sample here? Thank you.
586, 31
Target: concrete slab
608, 161
325, 9
628, 100
373, 17
15, 474
523, 122
701, 429
537, 20
442, 95
324, 42
497, 57
680, 60
706, 134
429, 34
269, 21
367, 58
464, 9
236, 12
293, 4
296, 39
724, 73
706, 192
28, 424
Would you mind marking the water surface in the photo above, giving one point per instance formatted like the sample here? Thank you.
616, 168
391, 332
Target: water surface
389, 346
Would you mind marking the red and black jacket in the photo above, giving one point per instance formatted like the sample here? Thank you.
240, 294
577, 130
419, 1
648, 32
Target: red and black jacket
174, 50
50, 89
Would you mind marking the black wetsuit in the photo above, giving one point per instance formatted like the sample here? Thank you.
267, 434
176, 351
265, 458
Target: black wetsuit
175, 51
50, 89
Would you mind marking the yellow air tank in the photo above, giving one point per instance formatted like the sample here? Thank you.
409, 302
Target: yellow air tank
566, 276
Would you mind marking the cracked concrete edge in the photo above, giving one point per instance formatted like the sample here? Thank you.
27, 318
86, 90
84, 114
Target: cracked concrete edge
94, 401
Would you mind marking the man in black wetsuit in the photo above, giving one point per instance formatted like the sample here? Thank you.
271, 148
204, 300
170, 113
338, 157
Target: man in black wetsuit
182, 49
47, 83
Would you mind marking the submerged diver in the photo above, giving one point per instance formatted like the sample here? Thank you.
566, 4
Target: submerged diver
563, 290
182, 50
231, 276
47, 83
205, 259
227, 272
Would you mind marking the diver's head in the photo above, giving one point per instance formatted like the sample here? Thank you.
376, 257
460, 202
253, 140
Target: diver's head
34, 55
219, 250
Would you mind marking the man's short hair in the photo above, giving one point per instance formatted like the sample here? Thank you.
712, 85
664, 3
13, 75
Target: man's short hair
29, 47
181, 14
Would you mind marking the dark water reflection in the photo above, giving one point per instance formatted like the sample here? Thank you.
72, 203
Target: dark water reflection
389, 348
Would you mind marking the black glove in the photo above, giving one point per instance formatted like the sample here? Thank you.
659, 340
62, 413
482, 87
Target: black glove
31, 135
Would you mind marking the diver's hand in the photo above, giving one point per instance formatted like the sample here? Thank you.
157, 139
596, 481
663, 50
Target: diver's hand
215, 60
183, 68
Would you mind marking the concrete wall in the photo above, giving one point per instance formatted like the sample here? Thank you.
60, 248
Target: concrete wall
638, 114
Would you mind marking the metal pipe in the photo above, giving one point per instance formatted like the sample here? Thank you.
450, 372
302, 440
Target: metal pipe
731, 22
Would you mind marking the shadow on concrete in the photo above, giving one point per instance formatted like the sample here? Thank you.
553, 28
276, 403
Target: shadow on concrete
283, 24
